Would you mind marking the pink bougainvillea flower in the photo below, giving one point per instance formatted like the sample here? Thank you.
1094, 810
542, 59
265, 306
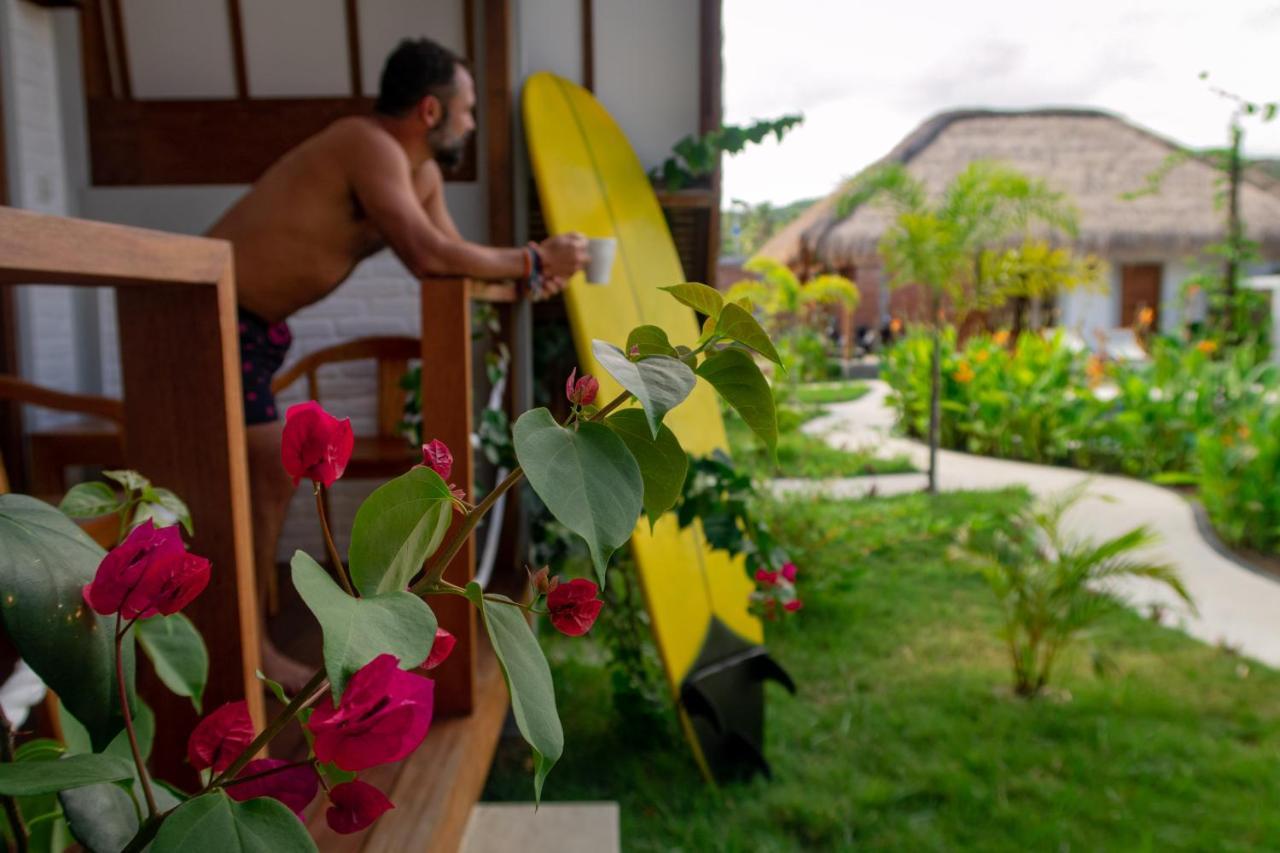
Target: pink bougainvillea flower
355, 805
383, 716
793, 605
581, 392
766, 577
220, 737
149, 572
436, 456
789, 571
440, 649
315, 445
295, 786
574, 607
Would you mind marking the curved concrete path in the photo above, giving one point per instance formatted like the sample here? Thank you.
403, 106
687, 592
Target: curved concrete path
1237, 606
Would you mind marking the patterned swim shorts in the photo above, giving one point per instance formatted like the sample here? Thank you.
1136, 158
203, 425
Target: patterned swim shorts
263, 347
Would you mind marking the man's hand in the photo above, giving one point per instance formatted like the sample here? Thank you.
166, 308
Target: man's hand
562, 256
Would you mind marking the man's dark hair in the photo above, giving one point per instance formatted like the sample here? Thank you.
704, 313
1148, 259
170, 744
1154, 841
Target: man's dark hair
415, 69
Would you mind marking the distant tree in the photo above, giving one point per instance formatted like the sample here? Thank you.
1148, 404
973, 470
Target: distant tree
1033, 271
745, 227
939, 244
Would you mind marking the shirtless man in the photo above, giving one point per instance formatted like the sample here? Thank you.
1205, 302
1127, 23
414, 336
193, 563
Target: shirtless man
362, 184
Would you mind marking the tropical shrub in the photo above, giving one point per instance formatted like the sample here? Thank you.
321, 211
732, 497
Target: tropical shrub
75, 612
1239, 464
1051, 586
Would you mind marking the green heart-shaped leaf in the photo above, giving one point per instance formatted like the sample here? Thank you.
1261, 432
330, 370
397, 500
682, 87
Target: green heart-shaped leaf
90, 500
663, 462
533, 697
178, 653
649, 340
131, 480
659, 382
699, 297
104, 817
163, 507
357, 630
737, 323
29, 778
396, 529
45, 561
214, 823
734, 375
586, 477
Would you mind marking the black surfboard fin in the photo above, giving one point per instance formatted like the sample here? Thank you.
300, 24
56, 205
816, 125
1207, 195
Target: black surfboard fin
765, 668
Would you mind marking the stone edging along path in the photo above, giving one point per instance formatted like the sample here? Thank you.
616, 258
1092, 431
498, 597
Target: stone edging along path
1236, 606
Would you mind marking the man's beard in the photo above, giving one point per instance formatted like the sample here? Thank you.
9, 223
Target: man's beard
448, 154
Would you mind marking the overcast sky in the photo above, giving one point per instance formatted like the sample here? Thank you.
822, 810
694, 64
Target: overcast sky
865, 74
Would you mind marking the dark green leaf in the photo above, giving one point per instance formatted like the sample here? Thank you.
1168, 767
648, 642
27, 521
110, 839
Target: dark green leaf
396, 529
104, 818
214, 823
131, 480
90, 500
45, 561
178, 653
586, 477
733, 373
659, 382
663, 462
699, 297
45, 777
357, 630
649, 340
533, 697
737, 323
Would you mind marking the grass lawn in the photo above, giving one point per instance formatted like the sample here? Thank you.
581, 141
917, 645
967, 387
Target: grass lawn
902, 736
822, 393
801, 455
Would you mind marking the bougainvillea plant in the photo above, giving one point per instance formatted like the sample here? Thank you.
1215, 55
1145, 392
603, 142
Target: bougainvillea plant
76, 612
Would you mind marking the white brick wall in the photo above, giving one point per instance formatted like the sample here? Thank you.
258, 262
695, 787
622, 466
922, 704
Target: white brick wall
38, 181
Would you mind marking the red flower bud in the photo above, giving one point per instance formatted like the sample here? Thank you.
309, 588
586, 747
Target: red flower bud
574, 607
789, 572
355, 805
315, 445
436, 456
793, 605
441, 648
149, 572
581, 392
220, 737
766, 577
295, 787
541, 581
383, 716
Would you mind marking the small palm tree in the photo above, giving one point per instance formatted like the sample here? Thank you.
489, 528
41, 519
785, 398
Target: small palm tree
1051, 586
938, 244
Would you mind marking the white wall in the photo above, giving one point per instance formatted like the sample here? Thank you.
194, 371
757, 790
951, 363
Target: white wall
646, 71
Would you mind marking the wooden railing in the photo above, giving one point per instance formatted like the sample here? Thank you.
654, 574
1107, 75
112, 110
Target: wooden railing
184, 428
175, 299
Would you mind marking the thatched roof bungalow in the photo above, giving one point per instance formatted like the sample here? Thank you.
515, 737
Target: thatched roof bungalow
1152, 242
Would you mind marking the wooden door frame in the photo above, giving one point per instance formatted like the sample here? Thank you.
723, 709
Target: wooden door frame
1159, 281
11, 445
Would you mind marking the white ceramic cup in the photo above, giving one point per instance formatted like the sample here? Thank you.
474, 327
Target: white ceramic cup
600, 252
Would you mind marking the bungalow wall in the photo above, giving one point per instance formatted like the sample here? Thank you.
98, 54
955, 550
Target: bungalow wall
68, 337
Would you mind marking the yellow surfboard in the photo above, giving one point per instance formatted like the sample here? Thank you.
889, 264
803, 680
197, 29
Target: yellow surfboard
590, 180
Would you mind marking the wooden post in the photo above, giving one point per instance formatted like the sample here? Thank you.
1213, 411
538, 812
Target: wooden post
184, 426
446, 415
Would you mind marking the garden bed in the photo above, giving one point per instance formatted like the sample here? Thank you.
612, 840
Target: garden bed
903, 734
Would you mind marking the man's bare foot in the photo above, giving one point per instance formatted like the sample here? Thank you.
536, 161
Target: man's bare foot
290, 674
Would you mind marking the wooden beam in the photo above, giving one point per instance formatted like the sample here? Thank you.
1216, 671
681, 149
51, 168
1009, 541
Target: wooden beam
353, 48
710, 86
12, 461
588, 46
446, 407
121, 50
497, 117
237, 48
95, 55
228, 141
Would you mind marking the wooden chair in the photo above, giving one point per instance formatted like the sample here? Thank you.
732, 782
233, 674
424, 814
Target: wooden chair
385, 454
96, 440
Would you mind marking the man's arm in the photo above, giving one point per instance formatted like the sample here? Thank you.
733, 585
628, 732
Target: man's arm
379, 173
437, 210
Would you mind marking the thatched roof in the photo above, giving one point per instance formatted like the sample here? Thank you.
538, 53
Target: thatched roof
1092, 156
